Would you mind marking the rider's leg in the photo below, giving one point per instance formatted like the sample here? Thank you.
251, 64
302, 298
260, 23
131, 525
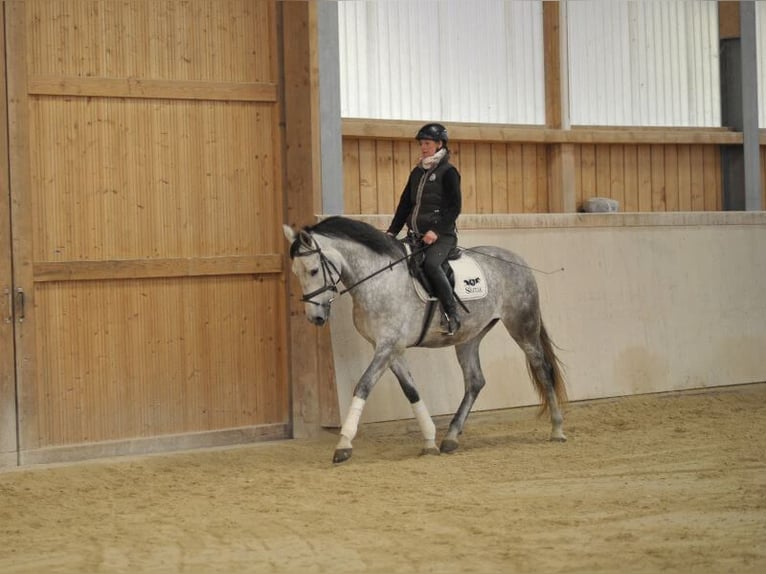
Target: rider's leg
435, 255
443, 292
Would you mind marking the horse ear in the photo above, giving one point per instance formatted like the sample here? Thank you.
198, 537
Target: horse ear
289, 233
305, 239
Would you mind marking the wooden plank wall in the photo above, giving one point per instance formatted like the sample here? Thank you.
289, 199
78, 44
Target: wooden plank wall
512, 177
149, 357
148, 193
650, 177
496, 178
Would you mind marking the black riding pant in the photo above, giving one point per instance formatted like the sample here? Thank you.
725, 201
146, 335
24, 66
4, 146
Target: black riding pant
435, 255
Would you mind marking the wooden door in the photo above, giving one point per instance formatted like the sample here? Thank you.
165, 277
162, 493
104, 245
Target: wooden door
8, 451
146, 208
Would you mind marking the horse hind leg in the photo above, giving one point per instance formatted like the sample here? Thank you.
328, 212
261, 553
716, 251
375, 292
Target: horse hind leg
427, 427
545, 370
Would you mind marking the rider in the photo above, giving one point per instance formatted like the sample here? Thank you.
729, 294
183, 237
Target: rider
430, 205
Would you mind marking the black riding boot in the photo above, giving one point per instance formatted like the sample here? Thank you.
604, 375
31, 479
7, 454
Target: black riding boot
443, 292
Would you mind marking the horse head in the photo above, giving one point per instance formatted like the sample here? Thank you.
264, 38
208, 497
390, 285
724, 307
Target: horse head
318, 272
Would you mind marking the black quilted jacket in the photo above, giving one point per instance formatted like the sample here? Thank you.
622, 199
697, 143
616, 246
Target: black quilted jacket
431, 200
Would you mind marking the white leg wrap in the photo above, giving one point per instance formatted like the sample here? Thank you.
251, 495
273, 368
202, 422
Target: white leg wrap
427, 425
349, 428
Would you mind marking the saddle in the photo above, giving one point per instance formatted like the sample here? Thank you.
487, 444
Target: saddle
463, 273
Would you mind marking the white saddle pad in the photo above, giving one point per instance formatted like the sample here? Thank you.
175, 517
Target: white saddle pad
469, 280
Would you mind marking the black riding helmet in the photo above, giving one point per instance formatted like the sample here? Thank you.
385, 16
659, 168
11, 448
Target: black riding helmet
433, 132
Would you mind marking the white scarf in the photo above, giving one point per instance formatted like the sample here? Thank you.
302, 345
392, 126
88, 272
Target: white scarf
429, 162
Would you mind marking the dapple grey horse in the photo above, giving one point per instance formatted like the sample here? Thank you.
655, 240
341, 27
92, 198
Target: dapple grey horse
389, 313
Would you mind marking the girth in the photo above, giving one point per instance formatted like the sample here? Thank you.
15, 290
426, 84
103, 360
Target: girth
415, 268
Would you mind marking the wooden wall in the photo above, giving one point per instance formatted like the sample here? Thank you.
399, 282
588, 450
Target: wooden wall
496, 178
650, 177
147, 207
511, 170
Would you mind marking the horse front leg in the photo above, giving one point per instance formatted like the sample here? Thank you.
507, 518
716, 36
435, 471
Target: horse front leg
427, 427
380, 362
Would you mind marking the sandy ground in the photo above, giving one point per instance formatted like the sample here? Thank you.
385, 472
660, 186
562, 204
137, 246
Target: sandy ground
672, 482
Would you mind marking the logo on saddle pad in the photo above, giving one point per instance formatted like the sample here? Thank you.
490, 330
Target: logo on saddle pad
473, 285
469, 280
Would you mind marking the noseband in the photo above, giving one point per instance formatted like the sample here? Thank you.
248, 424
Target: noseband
328, 268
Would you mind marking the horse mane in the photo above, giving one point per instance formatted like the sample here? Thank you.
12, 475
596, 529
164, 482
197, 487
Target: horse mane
358, 232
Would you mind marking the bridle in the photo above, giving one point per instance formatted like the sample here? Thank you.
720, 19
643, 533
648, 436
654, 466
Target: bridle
328, 268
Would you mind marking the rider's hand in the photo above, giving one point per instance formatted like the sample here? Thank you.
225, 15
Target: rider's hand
430, 237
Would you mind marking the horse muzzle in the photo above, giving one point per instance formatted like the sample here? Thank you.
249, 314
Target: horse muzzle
318, 321
318, 314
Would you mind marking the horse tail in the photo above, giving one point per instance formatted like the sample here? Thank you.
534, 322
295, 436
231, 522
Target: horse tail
555, 369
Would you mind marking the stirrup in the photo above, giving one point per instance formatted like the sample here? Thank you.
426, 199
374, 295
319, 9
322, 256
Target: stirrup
452, 324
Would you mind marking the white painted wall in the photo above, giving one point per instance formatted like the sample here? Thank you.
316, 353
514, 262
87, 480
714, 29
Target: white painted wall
646, 303
644, 63
631, 63
447, 60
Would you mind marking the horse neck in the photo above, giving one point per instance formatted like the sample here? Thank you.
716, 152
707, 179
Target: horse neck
357, 261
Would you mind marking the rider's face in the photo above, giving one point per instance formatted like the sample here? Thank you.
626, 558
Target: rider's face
428, 147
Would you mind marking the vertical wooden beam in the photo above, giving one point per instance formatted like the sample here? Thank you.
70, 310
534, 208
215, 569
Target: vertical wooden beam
312, 374
728, 19
552, 63
562, 193
561, 165
21, 222
8, 438
301, 111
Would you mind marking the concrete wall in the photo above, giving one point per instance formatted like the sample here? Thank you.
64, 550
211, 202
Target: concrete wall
645, 303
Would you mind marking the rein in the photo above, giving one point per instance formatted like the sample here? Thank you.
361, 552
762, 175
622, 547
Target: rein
328, 268
389, 266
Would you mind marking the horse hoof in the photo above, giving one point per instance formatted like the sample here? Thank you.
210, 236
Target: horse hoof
448, 445
558, 438
341, 455
430, 450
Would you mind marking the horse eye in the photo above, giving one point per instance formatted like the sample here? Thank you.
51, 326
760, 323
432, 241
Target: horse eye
313, 272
